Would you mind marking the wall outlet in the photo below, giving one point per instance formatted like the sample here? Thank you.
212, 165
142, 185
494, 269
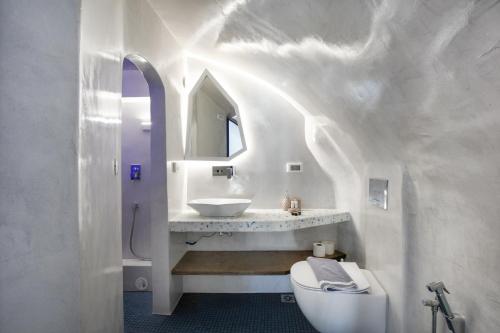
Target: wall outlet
227, 171
294, 167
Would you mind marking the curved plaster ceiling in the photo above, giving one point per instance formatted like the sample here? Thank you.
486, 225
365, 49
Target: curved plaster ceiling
351, 63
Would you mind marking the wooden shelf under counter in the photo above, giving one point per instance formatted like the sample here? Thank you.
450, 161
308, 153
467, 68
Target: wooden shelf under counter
242, 262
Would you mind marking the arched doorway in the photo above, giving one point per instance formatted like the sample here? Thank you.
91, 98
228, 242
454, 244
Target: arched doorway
145, 211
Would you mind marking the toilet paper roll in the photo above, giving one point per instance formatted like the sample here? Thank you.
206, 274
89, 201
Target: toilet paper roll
318, 250
329, 247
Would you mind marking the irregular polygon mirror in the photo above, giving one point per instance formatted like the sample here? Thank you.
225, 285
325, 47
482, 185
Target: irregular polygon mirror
214, 125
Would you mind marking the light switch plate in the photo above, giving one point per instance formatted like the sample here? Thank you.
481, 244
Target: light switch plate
378, 192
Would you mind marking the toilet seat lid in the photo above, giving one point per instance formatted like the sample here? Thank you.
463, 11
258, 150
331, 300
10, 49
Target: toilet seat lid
303, 275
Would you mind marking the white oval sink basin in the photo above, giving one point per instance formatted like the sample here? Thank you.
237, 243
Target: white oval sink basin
220, 207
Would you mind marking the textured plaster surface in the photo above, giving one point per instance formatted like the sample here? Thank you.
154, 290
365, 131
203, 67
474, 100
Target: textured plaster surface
39, 270
404, 90
101, 283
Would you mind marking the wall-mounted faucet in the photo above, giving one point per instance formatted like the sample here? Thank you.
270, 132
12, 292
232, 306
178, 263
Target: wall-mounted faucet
455, 322
227, 171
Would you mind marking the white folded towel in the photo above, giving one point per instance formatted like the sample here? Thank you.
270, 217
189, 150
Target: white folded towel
341, 277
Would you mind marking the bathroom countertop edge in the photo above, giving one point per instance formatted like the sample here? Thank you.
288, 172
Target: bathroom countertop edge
258, 220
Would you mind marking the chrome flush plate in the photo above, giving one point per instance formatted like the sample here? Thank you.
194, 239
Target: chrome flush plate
378, 192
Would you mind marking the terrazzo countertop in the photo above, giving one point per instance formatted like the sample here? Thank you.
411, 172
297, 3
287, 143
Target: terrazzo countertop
257, 220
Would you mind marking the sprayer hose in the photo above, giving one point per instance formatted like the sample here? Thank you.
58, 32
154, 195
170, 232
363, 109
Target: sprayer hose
131, 242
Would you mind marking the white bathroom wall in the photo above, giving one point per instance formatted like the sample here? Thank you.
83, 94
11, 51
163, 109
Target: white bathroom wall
39, 246
145, 35
406, 90
383, 239
275, 134
60, 225
235, 284
249, 241
252, 241
101, 54
101, 301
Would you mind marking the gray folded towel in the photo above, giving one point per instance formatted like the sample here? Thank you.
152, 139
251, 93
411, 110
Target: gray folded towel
331, 276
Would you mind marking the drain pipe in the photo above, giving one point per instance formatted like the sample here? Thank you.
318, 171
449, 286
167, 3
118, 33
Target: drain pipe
434, 305
221, 234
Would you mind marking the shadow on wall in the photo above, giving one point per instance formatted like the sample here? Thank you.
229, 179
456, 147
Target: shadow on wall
411, 255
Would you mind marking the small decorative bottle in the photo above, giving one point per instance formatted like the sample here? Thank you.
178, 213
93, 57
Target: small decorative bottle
285, 202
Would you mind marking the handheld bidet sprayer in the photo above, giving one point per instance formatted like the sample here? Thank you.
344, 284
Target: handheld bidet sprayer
439, 288
455, 323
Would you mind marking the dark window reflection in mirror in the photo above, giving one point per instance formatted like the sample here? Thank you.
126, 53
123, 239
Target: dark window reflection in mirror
214, 125
234, 144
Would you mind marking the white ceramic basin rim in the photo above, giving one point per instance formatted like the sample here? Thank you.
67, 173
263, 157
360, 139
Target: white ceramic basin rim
220, 207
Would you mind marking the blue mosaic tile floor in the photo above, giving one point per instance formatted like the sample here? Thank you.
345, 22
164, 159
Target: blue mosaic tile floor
211, 313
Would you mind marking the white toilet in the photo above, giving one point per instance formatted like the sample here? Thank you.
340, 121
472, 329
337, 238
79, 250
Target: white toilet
337, 312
